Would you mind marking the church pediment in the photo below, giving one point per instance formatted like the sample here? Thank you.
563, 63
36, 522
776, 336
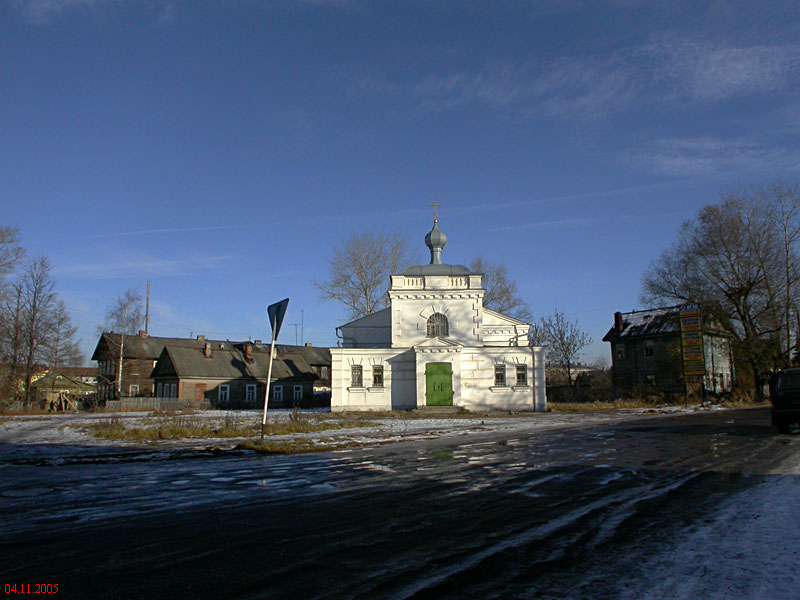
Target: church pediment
492, 318
439, 342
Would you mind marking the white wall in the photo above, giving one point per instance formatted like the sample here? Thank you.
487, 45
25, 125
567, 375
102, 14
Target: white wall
398, 391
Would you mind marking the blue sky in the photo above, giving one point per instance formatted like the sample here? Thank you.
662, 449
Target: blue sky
221, 149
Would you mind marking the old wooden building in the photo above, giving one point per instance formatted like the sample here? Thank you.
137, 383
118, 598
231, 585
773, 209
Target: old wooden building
233, 375
647, 352
302, 370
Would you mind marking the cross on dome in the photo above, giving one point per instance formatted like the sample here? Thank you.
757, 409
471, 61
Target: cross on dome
435, 216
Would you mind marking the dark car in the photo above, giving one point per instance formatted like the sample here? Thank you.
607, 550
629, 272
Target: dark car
784, 388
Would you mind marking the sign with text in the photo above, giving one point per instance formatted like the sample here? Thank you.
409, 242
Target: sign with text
694, 364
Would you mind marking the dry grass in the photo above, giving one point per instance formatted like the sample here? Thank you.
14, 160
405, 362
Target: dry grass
190, 427
24, 411
168, 428
742, 403
587, 407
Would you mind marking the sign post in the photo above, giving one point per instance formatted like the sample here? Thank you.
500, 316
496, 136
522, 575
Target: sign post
275, 312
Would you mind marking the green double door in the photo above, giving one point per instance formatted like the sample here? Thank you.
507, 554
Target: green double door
439, 384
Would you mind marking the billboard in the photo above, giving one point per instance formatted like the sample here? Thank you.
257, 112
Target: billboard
694, 364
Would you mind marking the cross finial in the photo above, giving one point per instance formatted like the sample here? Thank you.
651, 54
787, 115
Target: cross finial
435, 205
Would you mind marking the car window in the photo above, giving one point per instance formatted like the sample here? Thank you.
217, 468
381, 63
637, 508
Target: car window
789, 381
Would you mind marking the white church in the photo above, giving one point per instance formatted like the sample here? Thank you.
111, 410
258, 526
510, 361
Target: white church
437, 345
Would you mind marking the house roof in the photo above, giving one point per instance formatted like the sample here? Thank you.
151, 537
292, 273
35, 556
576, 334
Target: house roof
61, 381
655, 321
313, 355
148, 347
230, 362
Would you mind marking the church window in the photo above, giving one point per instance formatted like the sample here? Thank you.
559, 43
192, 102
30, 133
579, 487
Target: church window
356, 376
437, 326
499, 374
522, 375
377, 376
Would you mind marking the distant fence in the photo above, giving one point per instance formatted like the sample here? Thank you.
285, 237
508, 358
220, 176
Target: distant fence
136, 403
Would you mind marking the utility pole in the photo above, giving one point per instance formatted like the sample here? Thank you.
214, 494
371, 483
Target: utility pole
147, 311
121, 351
295, 332
302, 327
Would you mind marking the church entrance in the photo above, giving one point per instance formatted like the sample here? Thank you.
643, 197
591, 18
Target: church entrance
439, 384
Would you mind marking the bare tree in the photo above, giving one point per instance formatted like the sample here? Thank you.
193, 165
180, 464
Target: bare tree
37, 299
10, 251
564, 339
62, 348
738, 260
11, 342
124, 316
501, 291
359, 271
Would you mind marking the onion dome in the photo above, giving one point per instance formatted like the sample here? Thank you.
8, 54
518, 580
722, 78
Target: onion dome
436, 240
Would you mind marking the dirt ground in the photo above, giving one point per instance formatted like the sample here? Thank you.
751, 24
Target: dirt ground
623, 505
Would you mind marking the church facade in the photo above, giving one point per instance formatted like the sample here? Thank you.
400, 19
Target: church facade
437, 345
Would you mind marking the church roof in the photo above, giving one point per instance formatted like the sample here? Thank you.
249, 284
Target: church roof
440, 269
436, 240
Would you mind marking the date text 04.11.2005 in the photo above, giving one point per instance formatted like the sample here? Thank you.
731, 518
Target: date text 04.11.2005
30, 588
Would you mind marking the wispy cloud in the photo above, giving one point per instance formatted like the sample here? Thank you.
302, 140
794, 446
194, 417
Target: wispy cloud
664, 71
167, 230
584, 88
593, 221
134, 265
710, 155
708, 71
166, 15
42, 11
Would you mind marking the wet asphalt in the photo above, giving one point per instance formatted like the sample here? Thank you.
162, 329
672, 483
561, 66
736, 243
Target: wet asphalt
550, 514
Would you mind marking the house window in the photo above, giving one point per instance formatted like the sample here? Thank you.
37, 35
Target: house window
324, 372
277, 393
499, 374
356, 376
437, 325
250, 394
522, 375
174, 391
648, 348
133, 390
297, 393
159, 390
651, 380
620, 348
377, 375
224, 394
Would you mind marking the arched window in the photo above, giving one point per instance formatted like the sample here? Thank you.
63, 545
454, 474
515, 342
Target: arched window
437, 325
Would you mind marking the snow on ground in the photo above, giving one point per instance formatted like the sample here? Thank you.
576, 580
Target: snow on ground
53, 431
746, 548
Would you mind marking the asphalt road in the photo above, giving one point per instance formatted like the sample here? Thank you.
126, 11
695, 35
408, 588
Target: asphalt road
571, 513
